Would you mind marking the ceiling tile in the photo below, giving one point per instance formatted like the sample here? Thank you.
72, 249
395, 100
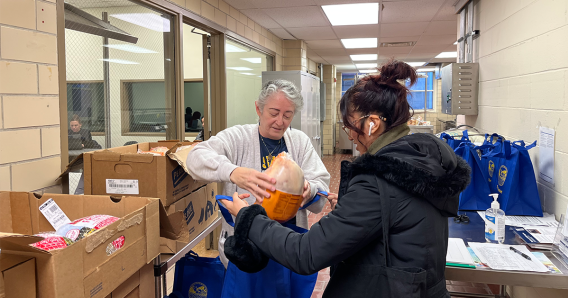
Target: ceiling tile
345, 67
331, 2
282, 33
442, 28
356, 31
399, 38
245, 4
421, 56
362, 51
436, 40
429, 49
394, 50
324, 44
298, 17
410, 11
447, 13
331, 52
313, 33
260, 17
441, 60
403, 29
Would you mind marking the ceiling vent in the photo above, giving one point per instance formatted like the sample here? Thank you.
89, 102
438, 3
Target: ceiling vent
397, 44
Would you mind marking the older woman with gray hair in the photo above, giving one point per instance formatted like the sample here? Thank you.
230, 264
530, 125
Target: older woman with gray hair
238, 155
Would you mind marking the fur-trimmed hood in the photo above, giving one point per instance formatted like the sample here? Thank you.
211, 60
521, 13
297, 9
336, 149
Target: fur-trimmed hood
421, 164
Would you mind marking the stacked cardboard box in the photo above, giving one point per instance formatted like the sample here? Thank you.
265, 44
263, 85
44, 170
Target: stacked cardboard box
188, 205
86, 268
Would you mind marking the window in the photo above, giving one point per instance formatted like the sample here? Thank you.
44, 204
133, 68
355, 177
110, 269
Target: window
86, 100
348, 81
424, 87
143, 105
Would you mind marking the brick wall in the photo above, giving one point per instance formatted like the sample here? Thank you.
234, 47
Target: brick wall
29, 103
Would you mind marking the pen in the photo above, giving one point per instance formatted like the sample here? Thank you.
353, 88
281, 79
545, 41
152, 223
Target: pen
522, 254
460, 265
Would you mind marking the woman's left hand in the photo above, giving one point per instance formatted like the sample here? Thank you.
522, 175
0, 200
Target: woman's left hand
237, 204
307, 195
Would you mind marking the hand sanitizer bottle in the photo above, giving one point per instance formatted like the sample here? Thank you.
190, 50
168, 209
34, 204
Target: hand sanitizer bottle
495, 222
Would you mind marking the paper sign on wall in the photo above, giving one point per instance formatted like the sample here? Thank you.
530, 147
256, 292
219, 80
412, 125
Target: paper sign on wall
546, 154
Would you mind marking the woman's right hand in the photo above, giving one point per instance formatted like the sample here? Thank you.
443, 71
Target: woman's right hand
332, 198
254, 181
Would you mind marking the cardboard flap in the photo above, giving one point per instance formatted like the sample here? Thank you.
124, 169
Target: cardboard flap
106, 155
140, 158
9, 260
172, 226
18, 242
181, 157
77, 162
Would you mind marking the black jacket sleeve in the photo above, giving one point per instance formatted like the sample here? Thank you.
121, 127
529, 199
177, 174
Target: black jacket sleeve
354, 223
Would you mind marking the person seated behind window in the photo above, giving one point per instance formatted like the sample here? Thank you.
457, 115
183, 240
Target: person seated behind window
79, 135
200, 136
188, 118
196, 124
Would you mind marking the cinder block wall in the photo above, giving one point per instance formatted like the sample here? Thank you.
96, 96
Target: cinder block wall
523, 85
29, 107
330, 86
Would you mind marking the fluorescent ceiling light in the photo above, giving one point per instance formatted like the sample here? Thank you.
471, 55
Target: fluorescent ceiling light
415, 64
119, 61
368, 70
352, 14
447, 55
366, 65
364, 57
233, 49
147, 20
248, 73
426, 69
130, 48
253, 60
345, 66
239, 68
359, 43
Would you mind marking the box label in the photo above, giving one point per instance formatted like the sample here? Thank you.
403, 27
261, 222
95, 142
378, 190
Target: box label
54, 214
178, 175
122, 186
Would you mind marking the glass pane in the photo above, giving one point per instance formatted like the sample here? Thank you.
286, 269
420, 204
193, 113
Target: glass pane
244, 81
120, 92
418, 86
194, 97
430, 81
416, 100
430, 99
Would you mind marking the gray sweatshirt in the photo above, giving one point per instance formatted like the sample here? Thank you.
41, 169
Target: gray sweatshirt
215, 159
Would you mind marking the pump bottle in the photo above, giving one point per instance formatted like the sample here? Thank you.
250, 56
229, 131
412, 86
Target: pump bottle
495, 222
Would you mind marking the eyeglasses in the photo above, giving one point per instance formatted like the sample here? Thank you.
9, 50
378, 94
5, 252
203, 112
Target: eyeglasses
348, 130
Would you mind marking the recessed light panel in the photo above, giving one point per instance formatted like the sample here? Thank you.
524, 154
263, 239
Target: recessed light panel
130, 48
359, 43
253, 60
366, 57
239, 68
447, 55
119, 61
366, 65
368, 71
233, 49
352, 14
415, 64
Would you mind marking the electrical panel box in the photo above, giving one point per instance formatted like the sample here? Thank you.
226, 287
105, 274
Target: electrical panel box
460, 85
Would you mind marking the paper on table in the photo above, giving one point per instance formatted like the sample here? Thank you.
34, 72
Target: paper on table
546, 154
547, 220
542, 234
457, 252
500, 257
547, 263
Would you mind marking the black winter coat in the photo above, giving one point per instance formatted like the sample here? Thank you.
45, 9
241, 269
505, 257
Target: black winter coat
425, 178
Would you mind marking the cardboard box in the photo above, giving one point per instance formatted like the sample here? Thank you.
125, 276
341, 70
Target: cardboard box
86, 268
139, 285
147, 175
17, 276
200, 210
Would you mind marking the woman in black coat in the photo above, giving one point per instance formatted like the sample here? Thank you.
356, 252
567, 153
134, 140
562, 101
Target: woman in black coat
400, 191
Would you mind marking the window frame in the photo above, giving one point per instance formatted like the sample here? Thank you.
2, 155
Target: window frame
433, 109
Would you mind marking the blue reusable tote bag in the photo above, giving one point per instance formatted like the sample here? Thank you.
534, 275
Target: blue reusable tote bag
274, 281
476, 195
452, 142
198, 277
512, 177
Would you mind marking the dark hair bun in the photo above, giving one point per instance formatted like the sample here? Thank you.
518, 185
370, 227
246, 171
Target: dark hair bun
395, 70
